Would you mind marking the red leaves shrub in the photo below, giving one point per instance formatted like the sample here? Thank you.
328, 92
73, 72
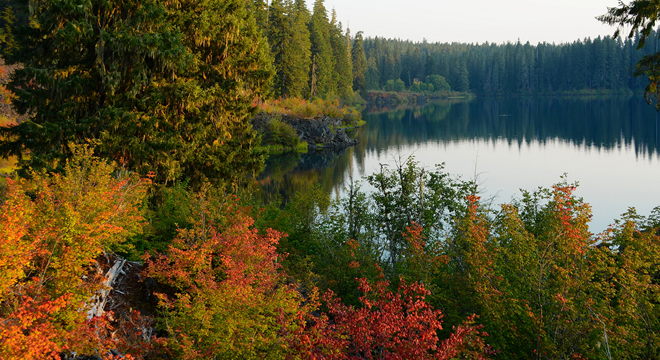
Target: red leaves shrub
48, 242
388, 325
230, 298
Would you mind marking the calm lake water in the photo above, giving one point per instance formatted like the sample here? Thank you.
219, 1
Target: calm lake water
609, 145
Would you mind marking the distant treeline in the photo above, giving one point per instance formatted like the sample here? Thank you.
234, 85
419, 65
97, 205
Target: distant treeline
314, 56
511, 68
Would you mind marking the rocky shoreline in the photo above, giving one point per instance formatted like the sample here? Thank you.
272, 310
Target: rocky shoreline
319, 133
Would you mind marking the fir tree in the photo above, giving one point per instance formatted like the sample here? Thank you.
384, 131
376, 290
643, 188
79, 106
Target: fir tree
165, 87
322, 81
359, 59
343, 72
279, 36
373, 74
296, 72
260, 9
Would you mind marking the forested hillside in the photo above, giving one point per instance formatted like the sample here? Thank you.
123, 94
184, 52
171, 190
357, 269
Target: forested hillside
511, 68
315, 56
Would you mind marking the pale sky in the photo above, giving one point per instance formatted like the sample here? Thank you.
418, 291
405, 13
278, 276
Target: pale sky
475, 21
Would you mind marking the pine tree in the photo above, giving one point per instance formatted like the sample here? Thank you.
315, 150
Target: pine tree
296, 71
165, 87
359, 59
463, 78
373, 74
279, 35
260, 9
322, 60
343, 72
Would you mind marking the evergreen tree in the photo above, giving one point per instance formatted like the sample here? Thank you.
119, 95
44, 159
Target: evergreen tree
322, 80
359, 59
296, 73
165, 87
343, 72
372, 77
260, 10
463, 78
279, 36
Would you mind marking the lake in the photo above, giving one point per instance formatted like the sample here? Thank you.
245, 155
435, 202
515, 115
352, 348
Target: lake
609, 145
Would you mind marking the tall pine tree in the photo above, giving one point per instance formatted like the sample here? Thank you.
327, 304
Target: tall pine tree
279, 35
343, 71
359, 59
165, 87
323, 83
297, 66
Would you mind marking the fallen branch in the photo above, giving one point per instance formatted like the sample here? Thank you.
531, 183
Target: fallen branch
99, 300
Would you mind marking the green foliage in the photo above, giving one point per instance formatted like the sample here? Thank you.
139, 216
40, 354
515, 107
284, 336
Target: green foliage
166, 87
439, 83
369, 228
343, 69
359, 62
322, 82
395, 85
281, 133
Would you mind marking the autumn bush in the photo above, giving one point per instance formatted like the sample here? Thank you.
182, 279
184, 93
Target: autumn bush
542, 285
307, 109
387, 325
229, 296
53, 227
420, 268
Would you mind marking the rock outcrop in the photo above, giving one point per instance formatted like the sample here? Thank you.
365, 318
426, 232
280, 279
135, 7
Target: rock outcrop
325, 132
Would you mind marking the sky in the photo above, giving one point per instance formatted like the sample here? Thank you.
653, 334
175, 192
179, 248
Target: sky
475, 21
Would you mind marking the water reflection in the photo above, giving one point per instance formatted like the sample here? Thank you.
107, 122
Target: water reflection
541, 136
604, 122
287, 174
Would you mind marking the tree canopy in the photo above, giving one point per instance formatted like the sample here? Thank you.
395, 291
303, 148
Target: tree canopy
165, 87
640, 16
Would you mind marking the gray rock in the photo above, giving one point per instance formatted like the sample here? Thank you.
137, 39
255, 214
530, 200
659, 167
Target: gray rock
325, 132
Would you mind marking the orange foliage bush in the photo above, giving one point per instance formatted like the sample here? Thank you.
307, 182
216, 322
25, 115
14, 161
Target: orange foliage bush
51, 229
388, 325
230, 298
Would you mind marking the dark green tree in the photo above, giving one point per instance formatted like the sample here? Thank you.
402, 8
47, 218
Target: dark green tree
463, 83
373, 74
322, 80
640, 17
164, 87
343, 71
279, 36
296, 72
359, 59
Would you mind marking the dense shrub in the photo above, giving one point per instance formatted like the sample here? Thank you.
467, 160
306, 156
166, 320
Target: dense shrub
52, 228
281, 133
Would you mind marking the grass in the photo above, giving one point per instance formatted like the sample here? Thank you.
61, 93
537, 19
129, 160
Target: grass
273, 149
306, 109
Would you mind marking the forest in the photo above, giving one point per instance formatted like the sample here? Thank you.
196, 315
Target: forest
134, 159
584, 66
